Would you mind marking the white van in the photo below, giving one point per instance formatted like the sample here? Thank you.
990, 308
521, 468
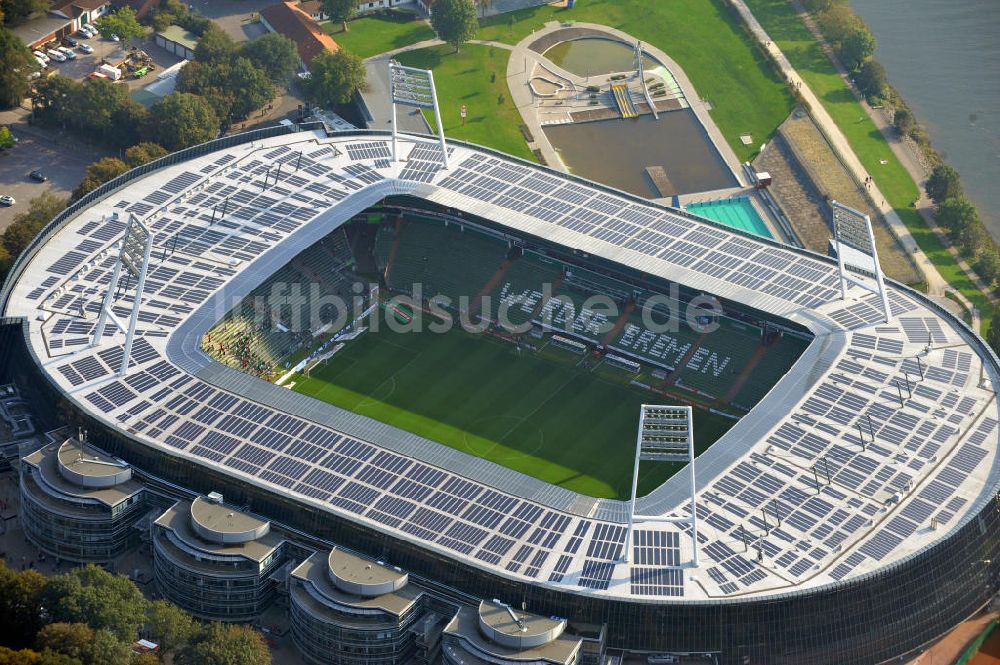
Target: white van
56, 55
68, 52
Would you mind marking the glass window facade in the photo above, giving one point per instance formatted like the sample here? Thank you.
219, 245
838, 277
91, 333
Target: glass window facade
79, 531
211, 587
326, 634
869, 619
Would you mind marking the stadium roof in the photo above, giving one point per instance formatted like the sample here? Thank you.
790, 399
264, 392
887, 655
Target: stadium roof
769, 527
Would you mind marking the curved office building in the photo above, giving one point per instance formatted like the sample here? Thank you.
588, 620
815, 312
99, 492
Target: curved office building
346, 610
79, 504
497, 633
850, 517
214, 561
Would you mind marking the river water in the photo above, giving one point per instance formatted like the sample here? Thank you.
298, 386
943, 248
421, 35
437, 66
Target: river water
944, 58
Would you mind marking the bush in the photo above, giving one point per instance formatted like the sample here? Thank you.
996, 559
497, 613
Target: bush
904, 122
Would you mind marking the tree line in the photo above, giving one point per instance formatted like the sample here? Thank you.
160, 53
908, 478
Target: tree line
88, 616
954, 213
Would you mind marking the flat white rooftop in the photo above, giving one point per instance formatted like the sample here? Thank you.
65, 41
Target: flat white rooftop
878, 442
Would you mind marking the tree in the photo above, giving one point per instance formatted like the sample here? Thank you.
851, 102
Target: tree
21, 592
956, 214
16, 11
871, 79
131, 121
209, 81
215, 46
220, 644
334, 78
993, 334
988, 266
251, 88
21, 657
121, 22
96, 103
143, 153
904, 122
820, 5
273, 53
194, 22
183, 119
94, 596
55, 98
6, 139
340, 10
455, 21
974, 239
107, 649
943, 184
838, 22
147, 658
169, 625
17, 64
70, 639
169, 12
857, 47
98, 173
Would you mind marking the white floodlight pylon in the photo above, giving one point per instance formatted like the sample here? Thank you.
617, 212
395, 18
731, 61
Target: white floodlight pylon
136, 246
413, 87
666, 434
854, 240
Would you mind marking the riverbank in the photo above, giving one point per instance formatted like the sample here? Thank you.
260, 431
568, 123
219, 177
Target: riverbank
896, 188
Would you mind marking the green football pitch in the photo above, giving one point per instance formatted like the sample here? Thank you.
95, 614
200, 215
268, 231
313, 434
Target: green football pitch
534, 413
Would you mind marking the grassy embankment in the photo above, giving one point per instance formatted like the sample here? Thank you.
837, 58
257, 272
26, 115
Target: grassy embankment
746, 95
783, 25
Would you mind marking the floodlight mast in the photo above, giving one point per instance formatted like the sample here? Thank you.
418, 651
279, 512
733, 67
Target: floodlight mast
666, 434
136, 247
853, 229
413, 87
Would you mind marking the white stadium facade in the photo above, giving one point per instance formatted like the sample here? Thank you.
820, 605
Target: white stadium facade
852, 516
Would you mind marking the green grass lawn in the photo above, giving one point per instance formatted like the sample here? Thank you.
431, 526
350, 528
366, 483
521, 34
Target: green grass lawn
371, 35
542, 417
806, 55
704, 37
476, 77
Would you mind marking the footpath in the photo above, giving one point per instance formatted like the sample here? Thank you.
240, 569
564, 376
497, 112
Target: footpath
907, 156
936, 285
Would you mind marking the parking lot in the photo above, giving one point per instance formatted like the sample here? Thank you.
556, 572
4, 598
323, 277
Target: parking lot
64, 168
84, 64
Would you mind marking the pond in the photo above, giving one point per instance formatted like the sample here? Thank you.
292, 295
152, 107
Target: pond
592, 56
617, 153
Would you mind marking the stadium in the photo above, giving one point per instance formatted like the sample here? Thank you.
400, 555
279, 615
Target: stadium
847, 476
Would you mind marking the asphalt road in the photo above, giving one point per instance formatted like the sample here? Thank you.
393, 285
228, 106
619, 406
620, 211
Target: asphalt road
64, 168
233, 16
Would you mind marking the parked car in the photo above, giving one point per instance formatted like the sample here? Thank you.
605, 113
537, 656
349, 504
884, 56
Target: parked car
86, 48
7, 200
56, 55
41, 63
68, 52
69, 41
114, 38
41, 56
38, 176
